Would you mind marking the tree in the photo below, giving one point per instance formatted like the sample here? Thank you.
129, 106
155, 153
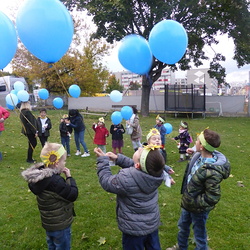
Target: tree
113, 84
203, 20
81, 65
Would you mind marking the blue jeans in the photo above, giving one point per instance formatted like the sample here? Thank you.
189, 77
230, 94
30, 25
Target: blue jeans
59, 240
65, 142
199, 226
79, 138
148, 242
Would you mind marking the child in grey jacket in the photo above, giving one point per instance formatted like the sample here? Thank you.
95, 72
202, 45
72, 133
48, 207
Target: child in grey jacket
136, 186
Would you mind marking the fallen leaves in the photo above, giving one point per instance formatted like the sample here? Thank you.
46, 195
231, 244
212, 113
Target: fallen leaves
102, 241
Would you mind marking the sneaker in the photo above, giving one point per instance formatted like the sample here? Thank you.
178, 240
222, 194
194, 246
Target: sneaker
68, 155
85, 154
181, 160
31, 161
78, 152
175, 247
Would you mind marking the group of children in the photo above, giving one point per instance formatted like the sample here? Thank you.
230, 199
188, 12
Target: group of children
136, 186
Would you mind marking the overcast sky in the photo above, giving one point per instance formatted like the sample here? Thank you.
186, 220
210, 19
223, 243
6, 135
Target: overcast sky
226, 47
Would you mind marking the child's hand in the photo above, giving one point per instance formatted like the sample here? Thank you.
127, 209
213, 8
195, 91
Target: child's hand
112, 156
171, 171
98, 152
66, 171
172, 139
190, 151
172, 181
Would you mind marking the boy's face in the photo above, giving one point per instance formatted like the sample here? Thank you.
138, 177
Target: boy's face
42, 113
137, 155
155, 140
158, 121
198, 145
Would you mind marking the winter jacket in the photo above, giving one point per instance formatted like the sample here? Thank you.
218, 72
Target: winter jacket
117, 134
203, 192
3, 114
76, 122
137, 132
64, 129
55, 196
29, 122
39, 127
137, 195
185, 140
100, 135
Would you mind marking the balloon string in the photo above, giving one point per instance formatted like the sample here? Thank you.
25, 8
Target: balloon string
61, 80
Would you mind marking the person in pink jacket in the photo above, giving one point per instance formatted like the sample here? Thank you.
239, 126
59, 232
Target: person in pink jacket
4, 114
101, 133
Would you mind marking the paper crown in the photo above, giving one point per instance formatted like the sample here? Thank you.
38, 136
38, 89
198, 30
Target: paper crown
53, 157
101, 119
160, 118
152, 132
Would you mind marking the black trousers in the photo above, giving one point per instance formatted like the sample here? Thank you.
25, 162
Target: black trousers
32, 142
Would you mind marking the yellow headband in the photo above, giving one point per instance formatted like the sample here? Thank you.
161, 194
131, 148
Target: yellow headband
144, 155
152, 132
160, 119
204, 143
53, 156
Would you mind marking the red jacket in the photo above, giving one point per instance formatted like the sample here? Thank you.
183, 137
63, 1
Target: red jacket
100, 135
3, 114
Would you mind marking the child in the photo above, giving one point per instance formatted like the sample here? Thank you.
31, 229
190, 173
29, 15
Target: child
100, 134
162, 130
4, 114
201, 188
117, 132
65, 133
55, 195
136, 186
154, 138
185, 140
43, 126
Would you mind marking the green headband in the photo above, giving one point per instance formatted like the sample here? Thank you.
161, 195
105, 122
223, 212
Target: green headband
183, 124
204, 143
56, 155
143, 158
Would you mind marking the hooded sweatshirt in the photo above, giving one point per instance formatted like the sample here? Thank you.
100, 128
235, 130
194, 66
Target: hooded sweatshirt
203, 192
137, 195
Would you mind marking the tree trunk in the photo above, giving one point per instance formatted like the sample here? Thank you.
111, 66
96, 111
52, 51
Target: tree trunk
146, 87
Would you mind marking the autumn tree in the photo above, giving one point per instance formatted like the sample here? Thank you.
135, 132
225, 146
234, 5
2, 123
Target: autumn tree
81, 65
113, 84
203, 20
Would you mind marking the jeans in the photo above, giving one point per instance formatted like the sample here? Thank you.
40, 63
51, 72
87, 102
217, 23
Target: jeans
199, 226
148, 242
65, 142
79, 138
59, 240
136, 144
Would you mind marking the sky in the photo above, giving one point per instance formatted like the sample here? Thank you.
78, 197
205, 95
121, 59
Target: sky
225, 46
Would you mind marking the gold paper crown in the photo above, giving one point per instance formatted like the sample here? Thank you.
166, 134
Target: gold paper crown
160, 118
101, 119
53, 157
152, 132
182, 124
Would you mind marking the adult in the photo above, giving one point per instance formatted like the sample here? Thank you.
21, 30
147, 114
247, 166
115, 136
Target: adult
4, 114
137, 132
76, 122
29, 129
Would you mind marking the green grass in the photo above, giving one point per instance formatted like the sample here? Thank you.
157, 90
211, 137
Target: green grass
20, 225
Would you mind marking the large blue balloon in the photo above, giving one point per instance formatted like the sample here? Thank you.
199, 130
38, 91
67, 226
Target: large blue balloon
10, 106
169, 128
126, 112
168, 41
115, 96
43, 94
135, 55
8, 40
46, 29
18, 85
116, 117
11, 99
23, 95
74, 90
58, 102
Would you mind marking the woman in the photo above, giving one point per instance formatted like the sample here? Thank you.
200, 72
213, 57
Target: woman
29, 129
76, 122
137, 133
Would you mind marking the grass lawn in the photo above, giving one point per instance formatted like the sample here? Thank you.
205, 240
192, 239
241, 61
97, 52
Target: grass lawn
20, 225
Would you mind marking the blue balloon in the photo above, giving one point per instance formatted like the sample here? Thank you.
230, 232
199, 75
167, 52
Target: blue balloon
135, 55
23, 95
116, 117
74, 91
8, 40
43, 94
18, 85
126, 112
45, 28
115, 96
10, 106
169, 128
168, 41
11, 99
58, 102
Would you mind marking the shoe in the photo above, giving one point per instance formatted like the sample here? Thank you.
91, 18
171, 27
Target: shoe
181, 160
175, 247
187, 158
78, 152
68, 155
85, 154
31, 161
